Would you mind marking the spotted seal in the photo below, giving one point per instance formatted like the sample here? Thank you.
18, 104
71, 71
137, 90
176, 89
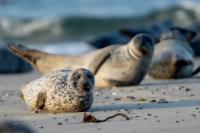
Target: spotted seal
60, 91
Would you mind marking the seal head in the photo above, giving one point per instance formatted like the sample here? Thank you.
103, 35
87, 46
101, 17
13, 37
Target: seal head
82, 79
141, 45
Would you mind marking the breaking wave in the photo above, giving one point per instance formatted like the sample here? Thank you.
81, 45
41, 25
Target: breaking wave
59, 29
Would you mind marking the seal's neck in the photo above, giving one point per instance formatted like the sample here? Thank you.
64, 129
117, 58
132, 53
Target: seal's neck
133, 52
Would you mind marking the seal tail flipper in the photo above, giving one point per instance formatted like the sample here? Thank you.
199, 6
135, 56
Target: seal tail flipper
29, 55
196, 71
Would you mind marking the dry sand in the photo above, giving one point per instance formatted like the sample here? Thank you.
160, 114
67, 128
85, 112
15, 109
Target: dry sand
169, 106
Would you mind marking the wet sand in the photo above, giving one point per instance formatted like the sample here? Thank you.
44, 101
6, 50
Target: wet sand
154, 106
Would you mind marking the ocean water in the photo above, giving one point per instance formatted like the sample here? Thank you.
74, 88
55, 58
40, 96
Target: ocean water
64, 26
88, 8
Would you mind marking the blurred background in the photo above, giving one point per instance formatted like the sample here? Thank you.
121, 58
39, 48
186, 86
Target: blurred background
73, 26
50, 23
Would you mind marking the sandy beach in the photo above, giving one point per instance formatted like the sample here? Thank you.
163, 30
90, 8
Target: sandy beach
154, 106
77, 27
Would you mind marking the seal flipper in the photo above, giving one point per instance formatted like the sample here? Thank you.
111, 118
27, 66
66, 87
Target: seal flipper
29, 55
40, 102
99, 57
196, 71
46, 62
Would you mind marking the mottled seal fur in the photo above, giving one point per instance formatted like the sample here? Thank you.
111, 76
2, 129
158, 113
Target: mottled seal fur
60, 91
173, 56
112, 66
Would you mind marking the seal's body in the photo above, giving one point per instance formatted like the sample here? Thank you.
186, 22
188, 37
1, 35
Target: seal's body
173, 56
60, 91
125, 66
112, 66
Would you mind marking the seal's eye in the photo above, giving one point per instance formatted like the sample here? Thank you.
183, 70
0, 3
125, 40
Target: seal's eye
77, 76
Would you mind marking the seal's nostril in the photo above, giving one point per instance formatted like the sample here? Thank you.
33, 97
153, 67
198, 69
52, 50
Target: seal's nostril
86, 86
77, 76
89, 76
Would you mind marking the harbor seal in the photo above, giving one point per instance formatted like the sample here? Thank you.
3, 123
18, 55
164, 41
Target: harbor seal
60, 91
112, 66
173, 56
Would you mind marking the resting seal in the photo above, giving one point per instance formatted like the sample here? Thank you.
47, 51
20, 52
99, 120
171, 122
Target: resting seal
173, 56
112, 66
60, 91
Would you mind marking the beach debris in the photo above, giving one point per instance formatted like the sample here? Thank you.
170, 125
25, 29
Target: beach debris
41, 127
184, 88
59, 123
142, 99
153, 101
188, 89
107, 97
158, 121
89, 118
193, 115
149, 114
117, 99
180, 87
137, 116
177, 111
192, 95
114, 93
130, 97
162, 101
